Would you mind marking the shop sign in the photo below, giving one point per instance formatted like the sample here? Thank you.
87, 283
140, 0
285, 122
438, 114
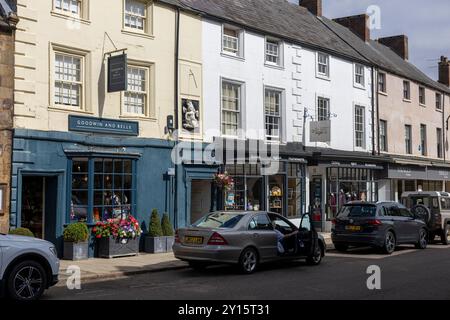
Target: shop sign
320, 131
117, 73
438, 174
404, 172
97, 125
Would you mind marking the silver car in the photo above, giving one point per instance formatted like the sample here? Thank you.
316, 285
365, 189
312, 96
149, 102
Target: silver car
247, 239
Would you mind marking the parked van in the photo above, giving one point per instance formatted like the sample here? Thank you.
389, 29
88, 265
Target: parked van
434, 208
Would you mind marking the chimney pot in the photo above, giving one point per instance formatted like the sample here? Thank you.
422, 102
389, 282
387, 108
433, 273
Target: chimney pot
358, 24
444, 71
398, 44
313, 6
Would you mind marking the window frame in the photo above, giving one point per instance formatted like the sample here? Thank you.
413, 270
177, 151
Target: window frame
406, 90
82, 9
320, 74
268, 138
279, 44
148, 18
239, 110
149, 94
439, 143
382, 87
240, 35
422, 96
318, 108
383, 138
438, 101
423, 140
408, 139
360, 76
363, 124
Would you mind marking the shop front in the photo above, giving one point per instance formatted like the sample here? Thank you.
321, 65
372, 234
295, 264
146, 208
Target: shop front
60, 178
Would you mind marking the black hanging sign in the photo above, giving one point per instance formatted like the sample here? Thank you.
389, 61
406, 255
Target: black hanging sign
117, 73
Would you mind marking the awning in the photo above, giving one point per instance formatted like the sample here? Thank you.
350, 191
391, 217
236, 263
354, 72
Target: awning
412, 162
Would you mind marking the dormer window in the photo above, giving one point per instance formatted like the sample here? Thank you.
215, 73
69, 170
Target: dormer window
232, 41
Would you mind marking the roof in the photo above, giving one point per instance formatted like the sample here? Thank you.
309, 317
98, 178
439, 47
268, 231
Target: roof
278, 18
383, 57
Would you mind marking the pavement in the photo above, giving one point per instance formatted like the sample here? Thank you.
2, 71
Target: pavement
93, 270
407, 274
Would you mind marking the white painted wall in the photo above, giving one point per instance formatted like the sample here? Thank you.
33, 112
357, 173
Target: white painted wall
298, 80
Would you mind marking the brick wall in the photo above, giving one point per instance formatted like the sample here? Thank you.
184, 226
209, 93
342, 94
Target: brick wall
6, 116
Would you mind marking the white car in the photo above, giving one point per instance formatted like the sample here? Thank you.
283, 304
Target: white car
28, 266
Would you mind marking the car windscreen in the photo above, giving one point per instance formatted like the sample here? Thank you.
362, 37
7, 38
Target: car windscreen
219, 220
357, 211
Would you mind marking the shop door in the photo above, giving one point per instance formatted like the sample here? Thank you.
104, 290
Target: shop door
316, 199
200, 199
39, 206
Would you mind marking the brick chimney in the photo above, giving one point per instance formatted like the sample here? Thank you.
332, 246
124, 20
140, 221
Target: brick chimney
444, 71
398, 44
313, 6
357, 24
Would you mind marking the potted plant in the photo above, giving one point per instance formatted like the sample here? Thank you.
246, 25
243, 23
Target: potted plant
223, 181
155, 241
75, 242
167, 230
117, 237
22, 232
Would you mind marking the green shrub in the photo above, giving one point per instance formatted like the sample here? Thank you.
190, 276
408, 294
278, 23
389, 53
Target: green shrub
76, 232
166, 226
22, 232
155, 229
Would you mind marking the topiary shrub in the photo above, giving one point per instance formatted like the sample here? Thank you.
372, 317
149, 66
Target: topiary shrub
76, 232
155, 229
166, 226
22, 232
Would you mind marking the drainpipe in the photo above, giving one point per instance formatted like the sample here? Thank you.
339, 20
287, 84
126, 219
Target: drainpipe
373, 112
176, 84
444, 131
377, 90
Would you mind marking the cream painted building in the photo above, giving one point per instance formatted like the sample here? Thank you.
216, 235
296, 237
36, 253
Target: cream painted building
80, 152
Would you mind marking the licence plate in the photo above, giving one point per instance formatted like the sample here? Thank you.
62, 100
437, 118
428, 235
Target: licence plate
193, 240
353, 228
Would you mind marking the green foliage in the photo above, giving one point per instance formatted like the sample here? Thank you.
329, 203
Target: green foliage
76, 232
22, 232
166, 226
155, 229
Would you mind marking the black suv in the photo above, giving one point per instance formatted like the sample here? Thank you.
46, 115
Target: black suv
382, 225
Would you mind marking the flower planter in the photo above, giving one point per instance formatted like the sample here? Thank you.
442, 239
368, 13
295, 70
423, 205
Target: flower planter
169, 243
155, 245
113, 248
76, 251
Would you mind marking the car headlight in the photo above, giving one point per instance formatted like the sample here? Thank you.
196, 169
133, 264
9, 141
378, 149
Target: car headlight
53, 250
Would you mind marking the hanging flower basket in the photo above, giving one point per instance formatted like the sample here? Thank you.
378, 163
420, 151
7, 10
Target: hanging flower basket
223, 181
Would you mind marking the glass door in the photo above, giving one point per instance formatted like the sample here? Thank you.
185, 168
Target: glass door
33, 205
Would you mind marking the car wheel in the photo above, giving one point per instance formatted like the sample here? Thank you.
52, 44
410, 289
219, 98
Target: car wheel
341, 247
423, 240
389, 243
316, 258
248, 261
445, 234
27, 281
198, 265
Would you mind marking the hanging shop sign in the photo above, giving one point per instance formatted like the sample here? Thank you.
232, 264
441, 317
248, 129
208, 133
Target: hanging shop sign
97, 125
320, 131
117, 73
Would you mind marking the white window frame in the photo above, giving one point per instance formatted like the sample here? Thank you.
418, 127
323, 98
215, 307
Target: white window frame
327, 100
239, 51
82, 55
382, 75
384, 128
423, 90
359, 76
363, 124
147, 92
68, 12
270, 138
438, 101
406, 90
268, 53
439, 143
147, 17
240, 100
423, 138
408, 137
320, 63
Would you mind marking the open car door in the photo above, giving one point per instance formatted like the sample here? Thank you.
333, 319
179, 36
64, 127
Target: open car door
307, 238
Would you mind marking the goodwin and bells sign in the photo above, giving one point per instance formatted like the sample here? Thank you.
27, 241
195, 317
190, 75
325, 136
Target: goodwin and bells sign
97, 125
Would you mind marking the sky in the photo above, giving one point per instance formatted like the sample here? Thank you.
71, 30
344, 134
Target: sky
426, 23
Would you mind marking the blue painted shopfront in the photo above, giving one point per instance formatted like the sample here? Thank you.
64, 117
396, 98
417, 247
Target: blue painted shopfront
70, 164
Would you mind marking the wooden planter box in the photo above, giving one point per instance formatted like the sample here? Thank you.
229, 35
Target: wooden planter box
113, 248
155, 245
76, 251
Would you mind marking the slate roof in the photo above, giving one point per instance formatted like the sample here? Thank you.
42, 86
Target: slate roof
383, 56
277, 18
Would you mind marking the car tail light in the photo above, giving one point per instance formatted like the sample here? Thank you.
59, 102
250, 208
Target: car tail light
375, 222
177, 237
217, 240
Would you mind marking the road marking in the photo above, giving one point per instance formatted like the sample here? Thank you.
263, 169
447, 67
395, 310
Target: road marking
370, 255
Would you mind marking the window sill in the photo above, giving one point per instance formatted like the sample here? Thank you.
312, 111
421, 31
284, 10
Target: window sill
383, 93
358, 86
138, 34
68, 110
274, 66
407, 100
439, 110
58, 14
137, 117
231, 56
422, 105
323, 77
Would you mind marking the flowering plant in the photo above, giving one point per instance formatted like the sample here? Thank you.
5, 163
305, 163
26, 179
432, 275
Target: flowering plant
127, 228
224, 181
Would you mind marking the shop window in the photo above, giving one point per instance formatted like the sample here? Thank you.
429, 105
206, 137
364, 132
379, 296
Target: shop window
295, 190
276, 193
101, 188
